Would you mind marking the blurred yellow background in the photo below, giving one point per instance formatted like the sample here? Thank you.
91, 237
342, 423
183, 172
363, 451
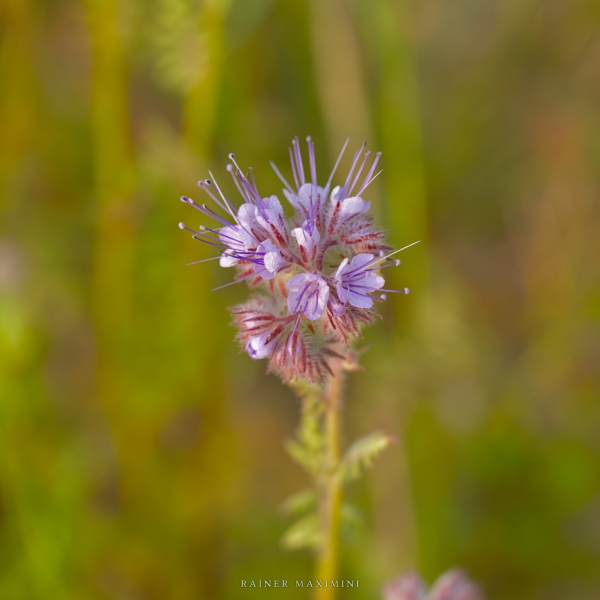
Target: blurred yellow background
142, 454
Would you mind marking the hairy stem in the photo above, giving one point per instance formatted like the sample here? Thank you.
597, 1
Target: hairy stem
330, 489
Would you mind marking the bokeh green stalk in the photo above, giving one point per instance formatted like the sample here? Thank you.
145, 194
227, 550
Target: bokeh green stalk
330, 488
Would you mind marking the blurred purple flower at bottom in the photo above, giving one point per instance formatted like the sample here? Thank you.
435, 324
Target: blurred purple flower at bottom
452, 585
405, 587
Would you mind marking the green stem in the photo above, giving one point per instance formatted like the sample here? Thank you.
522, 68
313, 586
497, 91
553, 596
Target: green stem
330, 489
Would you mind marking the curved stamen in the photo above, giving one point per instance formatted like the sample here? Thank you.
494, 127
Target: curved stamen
404, 291
296, 145
211, 213
354, 161
294, 173
366, 157
204, 260
232, 172
281, 177
337, 162
204, 185
233, 282
371, 171
311, 160
230, 206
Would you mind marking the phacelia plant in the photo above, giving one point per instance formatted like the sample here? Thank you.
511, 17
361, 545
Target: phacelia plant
317, 276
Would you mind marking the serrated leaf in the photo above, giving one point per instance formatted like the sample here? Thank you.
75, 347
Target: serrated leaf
361, 453
308, 445
299, 502
303, 534
304, 457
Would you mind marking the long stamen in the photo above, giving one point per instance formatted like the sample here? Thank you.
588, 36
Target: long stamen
379, 267
197, 235
184, 226
203, 260
248, 252
367, 154
293, 163
296, 145
251, 191
374, 261
394, 252
222, 235
363, 269
311, 160
205, 185
210, 242
252, 182
233, 174
355, 160
281, 177
368, 179
231, 157
372, 179
203, 209
232, 282
236, 179
230, 206
337, 162
211, 213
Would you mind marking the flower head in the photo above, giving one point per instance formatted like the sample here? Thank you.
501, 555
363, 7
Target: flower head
319, 268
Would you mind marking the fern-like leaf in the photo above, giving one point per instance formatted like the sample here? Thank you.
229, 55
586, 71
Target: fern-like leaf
300, 502
303, 534
303, 456
361, 453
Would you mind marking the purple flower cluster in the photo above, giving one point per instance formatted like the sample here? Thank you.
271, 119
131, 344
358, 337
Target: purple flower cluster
320, 267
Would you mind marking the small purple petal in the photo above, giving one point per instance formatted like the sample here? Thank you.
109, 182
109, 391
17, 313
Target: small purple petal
354, 281
270, 216
248, 224
227, 260
307, 237
309, 198
308, 294
351, 207
260, 346
337, 308
270, 260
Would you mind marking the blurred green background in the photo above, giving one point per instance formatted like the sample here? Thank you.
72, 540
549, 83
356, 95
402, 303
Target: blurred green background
141, 454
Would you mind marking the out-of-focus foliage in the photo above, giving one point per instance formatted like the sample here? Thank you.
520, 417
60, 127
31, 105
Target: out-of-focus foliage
142, 456
361, 453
